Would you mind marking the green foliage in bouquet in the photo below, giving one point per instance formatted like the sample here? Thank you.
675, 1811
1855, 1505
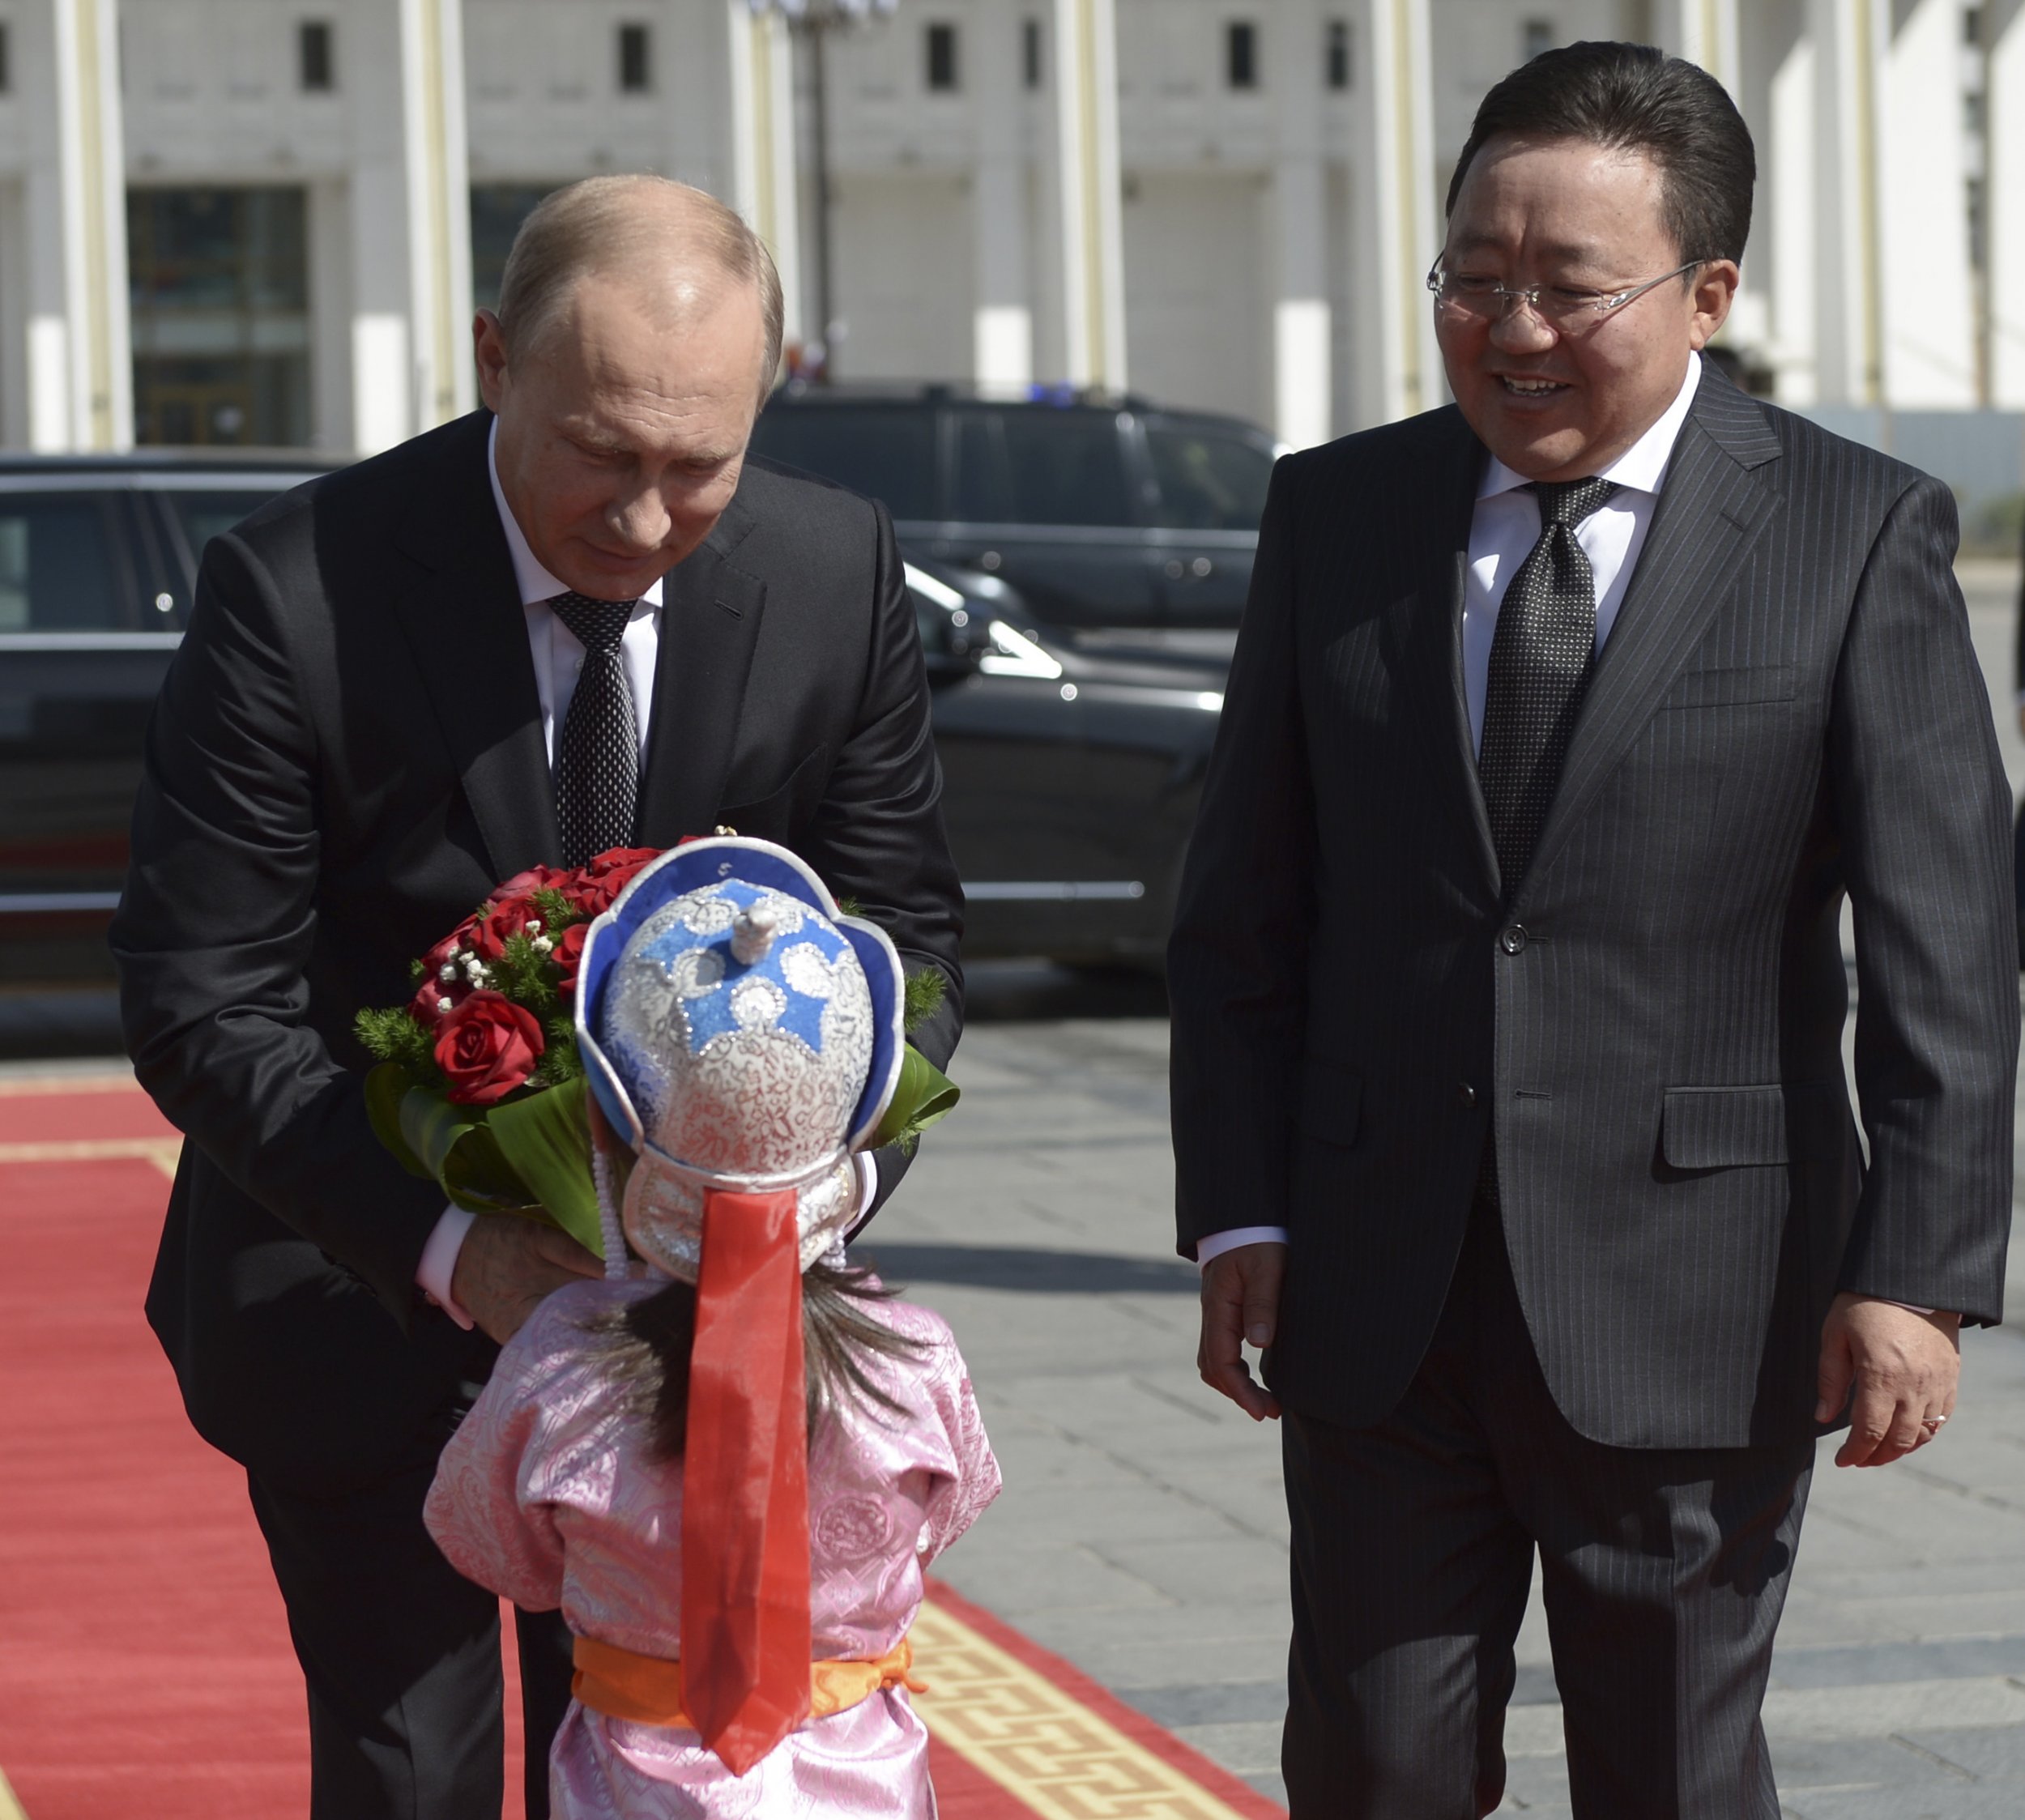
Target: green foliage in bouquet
924, 1093
478, 1086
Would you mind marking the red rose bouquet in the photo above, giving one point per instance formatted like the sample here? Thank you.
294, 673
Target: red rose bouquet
478, 1086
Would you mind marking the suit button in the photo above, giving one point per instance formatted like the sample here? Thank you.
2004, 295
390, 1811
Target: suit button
1512, 939
1466, 1096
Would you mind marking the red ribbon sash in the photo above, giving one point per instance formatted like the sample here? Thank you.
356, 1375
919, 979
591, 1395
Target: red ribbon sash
745, 1625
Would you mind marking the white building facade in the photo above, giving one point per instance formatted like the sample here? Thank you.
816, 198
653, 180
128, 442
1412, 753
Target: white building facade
267, 220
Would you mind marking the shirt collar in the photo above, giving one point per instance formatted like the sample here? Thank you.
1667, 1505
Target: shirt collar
1641, 466
537, 586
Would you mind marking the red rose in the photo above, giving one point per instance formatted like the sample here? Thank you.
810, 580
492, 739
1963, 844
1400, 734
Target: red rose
597, 884
501, 917
423, 1007
526, 883
627, 859
487, 1047
568, 955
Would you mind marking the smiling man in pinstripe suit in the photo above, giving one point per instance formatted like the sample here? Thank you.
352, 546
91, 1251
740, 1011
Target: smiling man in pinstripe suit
1508, 993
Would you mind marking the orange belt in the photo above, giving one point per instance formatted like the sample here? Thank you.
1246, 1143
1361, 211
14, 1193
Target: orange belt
647, 1690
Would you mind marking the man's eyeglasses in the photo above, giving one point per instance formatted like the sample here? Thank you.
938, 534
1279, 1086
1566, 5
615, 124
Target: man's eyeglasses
1561, 308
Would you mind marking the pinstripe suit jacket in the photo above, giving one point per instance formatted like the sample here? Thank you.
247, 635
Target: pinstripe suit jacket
1788, 710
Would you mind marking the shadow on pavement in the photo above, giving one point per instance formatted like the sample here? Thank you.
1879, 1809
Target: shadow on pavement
993, 1266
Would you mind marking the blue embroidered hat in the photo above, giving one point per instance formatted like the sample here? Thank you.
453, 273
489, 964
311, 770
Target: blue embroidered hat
740, 1034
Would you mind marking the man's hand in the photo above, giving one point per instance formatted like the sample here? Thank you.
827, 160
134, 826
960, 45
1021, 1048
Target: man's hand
508, 1264
1903, 1368
1240, 1303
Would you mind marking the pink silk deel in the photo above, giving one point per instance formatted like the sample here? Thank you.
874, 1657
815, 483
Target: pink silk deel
548, 1494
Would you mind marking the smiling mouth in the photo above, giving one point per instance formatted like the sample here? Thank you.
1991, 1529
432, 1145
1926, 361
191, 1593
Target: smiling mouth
1518, 386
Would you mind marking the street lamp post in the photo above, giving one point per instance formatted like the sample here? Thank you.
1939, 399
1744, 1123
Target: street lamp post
812, 22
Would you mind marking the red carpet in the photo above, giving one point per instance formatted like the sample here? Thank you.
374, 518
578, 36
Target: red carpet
145, 1671
145, 1668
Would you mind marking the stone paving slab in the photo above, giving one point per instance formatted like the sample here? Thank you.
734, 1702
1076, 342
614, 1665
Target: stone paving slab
1142, 1534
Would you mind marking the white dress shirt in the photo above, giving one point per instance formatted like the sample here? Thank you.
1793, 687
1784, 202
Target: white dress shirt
1502, 532
559, 657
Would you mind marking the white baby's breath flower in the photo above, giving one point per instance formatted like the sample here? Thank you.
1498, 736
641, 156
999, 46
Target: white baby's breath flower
447, 973
544, 943
532, 926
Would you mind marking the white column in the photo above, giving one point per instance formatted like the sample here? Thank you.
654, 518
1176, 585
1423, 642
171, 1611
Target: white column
1092, 240
1395, 219
760, 67
438, 207
1787, 180
78, 364
1302, 388
1002, 331
1703, 32
410, 221
1928, 302
1849, 38
2004, 22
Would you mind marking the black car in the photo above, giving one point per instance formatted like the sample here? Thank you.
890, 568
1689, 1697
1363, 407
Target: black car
1103, 513
98, 559
1072, 774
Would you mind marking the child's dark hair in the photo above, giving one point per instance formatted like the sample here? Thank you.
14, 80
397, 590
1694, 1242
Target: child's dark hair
645, 1347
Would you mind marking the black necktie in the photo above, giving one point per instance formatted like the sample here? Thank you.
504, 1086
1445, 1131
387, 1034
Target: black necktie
598, 758
1540, 656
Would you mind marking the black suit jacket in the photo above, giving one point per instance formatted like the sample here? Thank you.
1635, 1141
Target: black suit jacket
346, 756
1788, 709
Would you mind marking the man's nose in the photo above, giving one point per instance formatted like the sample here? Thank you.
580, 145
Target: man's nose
641, 519
1522, 330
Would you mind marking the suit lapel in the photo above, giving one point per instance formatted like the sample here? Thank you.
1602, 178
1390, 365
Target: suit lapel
1425, 626
710, 612
460, 611
1713, 504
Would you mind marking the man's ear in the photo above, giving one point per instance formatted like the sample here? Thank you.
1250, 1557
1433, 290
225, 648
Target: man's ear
1716, 287
488, 350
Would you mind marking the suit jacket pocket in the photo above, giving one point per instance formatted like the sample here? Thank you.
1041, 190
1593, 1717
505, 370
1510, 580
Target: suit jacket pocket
1724, 1127
783, 813
1332, 1101
1732, 687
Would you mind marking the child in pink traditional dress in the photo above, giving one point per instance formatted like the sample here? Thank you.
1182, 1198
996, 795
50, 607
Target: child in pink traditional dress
737, 1543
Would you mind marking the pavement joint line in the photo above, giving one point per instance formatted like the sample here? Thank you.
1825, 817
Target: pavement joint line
1933, 1757
1168, 1486
1969, 1494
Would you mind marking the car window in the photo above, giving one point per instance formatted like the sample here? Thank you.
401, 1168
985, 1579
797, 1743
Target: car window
60, 566
203, 515
1064, 467
1209, 480
979, 493
889, 454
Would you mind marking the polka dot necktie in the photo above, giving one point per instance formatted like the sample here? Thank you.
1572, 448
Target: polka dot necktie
1541, 658
598, 758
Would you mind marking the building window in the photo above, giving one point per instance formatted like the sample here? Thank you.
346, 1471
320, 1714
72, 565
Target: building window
634, 72
219, 280
1030, 52
1535, 36
942, 58
315, 66
1336, 53
1241, 54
